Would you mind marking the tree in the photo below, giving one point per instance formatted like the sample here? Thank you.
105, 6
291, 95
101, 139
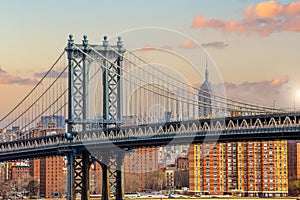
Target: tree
133, 182
21, 183
294, 188
181, 178
155, 180
33, 187
5, 188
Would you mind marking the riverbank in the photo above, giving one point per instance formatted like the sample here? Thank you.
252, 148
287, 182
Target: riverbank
206, 198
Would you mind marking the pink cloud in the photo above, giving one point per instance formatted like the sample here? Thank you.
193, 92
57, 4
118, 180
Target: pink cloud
267, 9
262, 92
264, 19
147, 48
278, 82
6, 78
188, 44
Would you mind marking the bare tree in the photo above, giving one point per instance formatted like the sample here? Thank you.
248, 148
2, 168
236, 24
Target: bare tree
33, 187
21, 183
181, 178
5, 188
294, 188
133, 182
155, 180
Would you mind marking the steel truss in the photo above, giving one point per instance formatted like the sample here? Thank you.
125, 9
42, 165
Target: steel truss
78, 82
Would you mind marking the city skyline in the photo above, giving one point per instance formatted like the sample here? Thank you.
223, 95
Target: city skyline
253, 43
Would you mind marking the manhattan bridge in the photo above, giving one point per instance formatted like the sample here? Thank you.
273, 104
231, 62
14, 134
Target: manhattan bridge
112, 105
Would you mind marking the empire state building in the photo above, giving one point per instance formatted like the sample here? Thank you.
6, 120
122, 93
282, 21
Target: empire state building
205, 110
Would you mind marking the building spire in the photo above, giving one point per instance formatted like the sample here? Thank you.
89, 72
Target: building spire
206, 71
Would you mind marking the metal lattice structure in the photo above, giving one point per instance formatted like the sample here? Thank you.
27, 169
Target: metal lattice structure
112, 83
282, 126
78, 62
159, 109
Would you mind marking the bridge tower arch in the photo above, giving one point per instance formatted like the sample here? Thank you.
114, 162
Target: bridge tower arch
80, 56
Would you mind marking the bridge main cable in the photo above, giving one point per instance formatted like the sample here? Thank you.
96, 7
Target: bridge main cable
198, 88
153, 91
34, 88
259, 110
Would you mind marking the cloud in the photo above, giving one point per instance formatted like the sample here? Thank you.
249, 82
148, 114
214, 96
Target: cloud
148, 48
215, 44
53, 74
188, 44
262, 92
6, 78
2, 71
263, 19
279, 82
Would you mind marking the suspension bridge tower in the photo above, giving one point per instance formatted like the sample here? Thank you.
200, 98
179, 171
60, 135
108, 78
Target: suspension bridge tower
80, 58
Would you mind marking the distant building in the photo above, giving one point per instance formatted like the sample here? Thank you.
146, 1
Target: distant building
182, 163
169, 153
14, 170
19, 172
58, 120
51, 176
2, 172
139, 164
205, 110
294, 160
48, 171
95, 178
251, 169
34, 170
142, 160
169, 176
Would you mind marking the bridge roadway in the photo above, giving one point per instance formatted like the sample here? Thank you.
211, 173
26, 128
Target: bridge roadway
246, 128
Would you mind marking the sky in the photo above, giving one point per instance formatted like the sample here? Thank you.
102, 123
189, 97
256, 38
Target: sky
254, 44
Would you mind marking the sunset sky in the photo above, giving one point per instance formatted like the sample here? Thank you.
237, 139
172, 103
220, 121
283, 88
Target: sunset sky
255, 44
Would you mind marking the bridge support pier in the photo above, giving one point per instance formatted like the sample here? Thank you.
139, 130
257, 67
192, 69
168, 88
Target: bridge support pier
85, 188
70, 188
105, 182
78, 175
78, 122
120, 178
112, 176
105, 178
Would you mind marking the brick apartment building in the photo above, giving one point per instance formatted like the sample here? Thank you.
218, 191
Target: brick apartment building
240, 168
95, 178
19, 172
140, 163
15, 170
182, 163
48, 172
294, 160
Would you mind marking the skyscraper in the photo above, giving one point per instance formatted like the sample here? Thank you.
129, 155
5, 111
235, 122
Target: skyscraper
205, 110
